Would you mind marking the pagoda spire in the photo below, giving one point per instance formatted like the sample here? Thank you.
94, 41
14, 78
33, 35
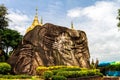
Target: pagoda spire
36, 11
72, 26
41, 22
35, 22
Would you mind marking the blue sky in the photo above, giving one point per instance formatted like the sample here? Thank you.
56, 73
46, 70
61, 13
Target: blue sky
96, 17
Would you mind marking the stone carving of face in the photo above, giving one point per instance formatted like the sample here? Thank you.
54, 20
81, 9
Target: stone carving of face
64, 45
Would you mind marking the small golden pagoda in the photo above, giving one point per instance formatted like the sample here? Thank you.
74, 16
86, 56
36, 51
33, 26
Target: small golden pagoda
35, 22
72, 26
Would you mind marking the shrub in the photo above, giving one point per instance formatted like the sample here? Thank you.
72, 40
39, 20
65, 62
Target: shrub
2, 58
40, 70
114, 67
59, 78
61, 67
99, 74
66, 69
75, 74
15, 76
5, 68
69, 74
56, 71
47, 75
71, 69
56, 67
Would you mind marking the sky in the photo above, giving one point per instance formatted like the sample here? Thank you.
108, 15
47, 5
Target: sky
96, 17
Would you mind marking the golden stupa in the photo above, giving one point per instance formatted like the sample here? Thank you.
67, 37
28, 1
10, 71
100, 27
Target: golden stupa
72, 26
35, 22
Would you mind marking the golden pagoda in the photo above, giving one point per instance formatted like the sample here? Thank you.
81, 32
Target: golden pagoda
35, 22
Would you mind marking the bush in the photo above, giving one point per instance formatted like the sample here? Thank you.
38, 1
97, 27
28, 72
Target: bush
2, 58
5, 68
66, 69
75, 74
60, 67
47, 75
56, 71
40, 70
71, 69
15, 76
114, 67
56, 67
59, 78
70, 74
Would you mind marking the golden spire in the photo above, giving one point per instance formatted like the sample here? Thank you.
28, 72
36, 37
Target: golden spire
35, 22
72, 26
41, 22
37, 11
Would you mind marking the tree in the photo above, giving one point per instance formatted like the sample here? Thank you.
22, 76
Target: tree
9, 39
118, 17
3, 18
3, 24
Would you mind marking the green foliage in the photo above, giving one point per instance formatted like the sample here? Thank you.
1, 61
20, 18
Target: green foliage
71, 69
15, 76
3, 25
113, 67
59, 78
56, 71
67, 72
66, 69
118, 17
9, 39
47, 75
5, 68
41, 69
3, 19
75, 74
56, 67
2, 58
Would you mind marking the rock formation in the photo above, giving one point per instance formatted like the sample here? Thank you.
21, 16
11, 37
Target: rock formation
49, 45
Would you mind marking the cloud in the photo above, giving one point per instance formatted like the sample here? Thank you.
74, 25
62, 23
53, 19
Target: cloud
100, 24
74, 12
19, 21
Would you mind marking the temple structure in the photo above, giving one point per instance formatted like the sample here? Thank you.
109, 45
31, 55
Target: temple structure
35, 22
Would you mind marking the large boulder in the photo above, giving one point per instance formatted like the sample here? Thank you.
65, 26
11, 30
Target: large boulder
49, 45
